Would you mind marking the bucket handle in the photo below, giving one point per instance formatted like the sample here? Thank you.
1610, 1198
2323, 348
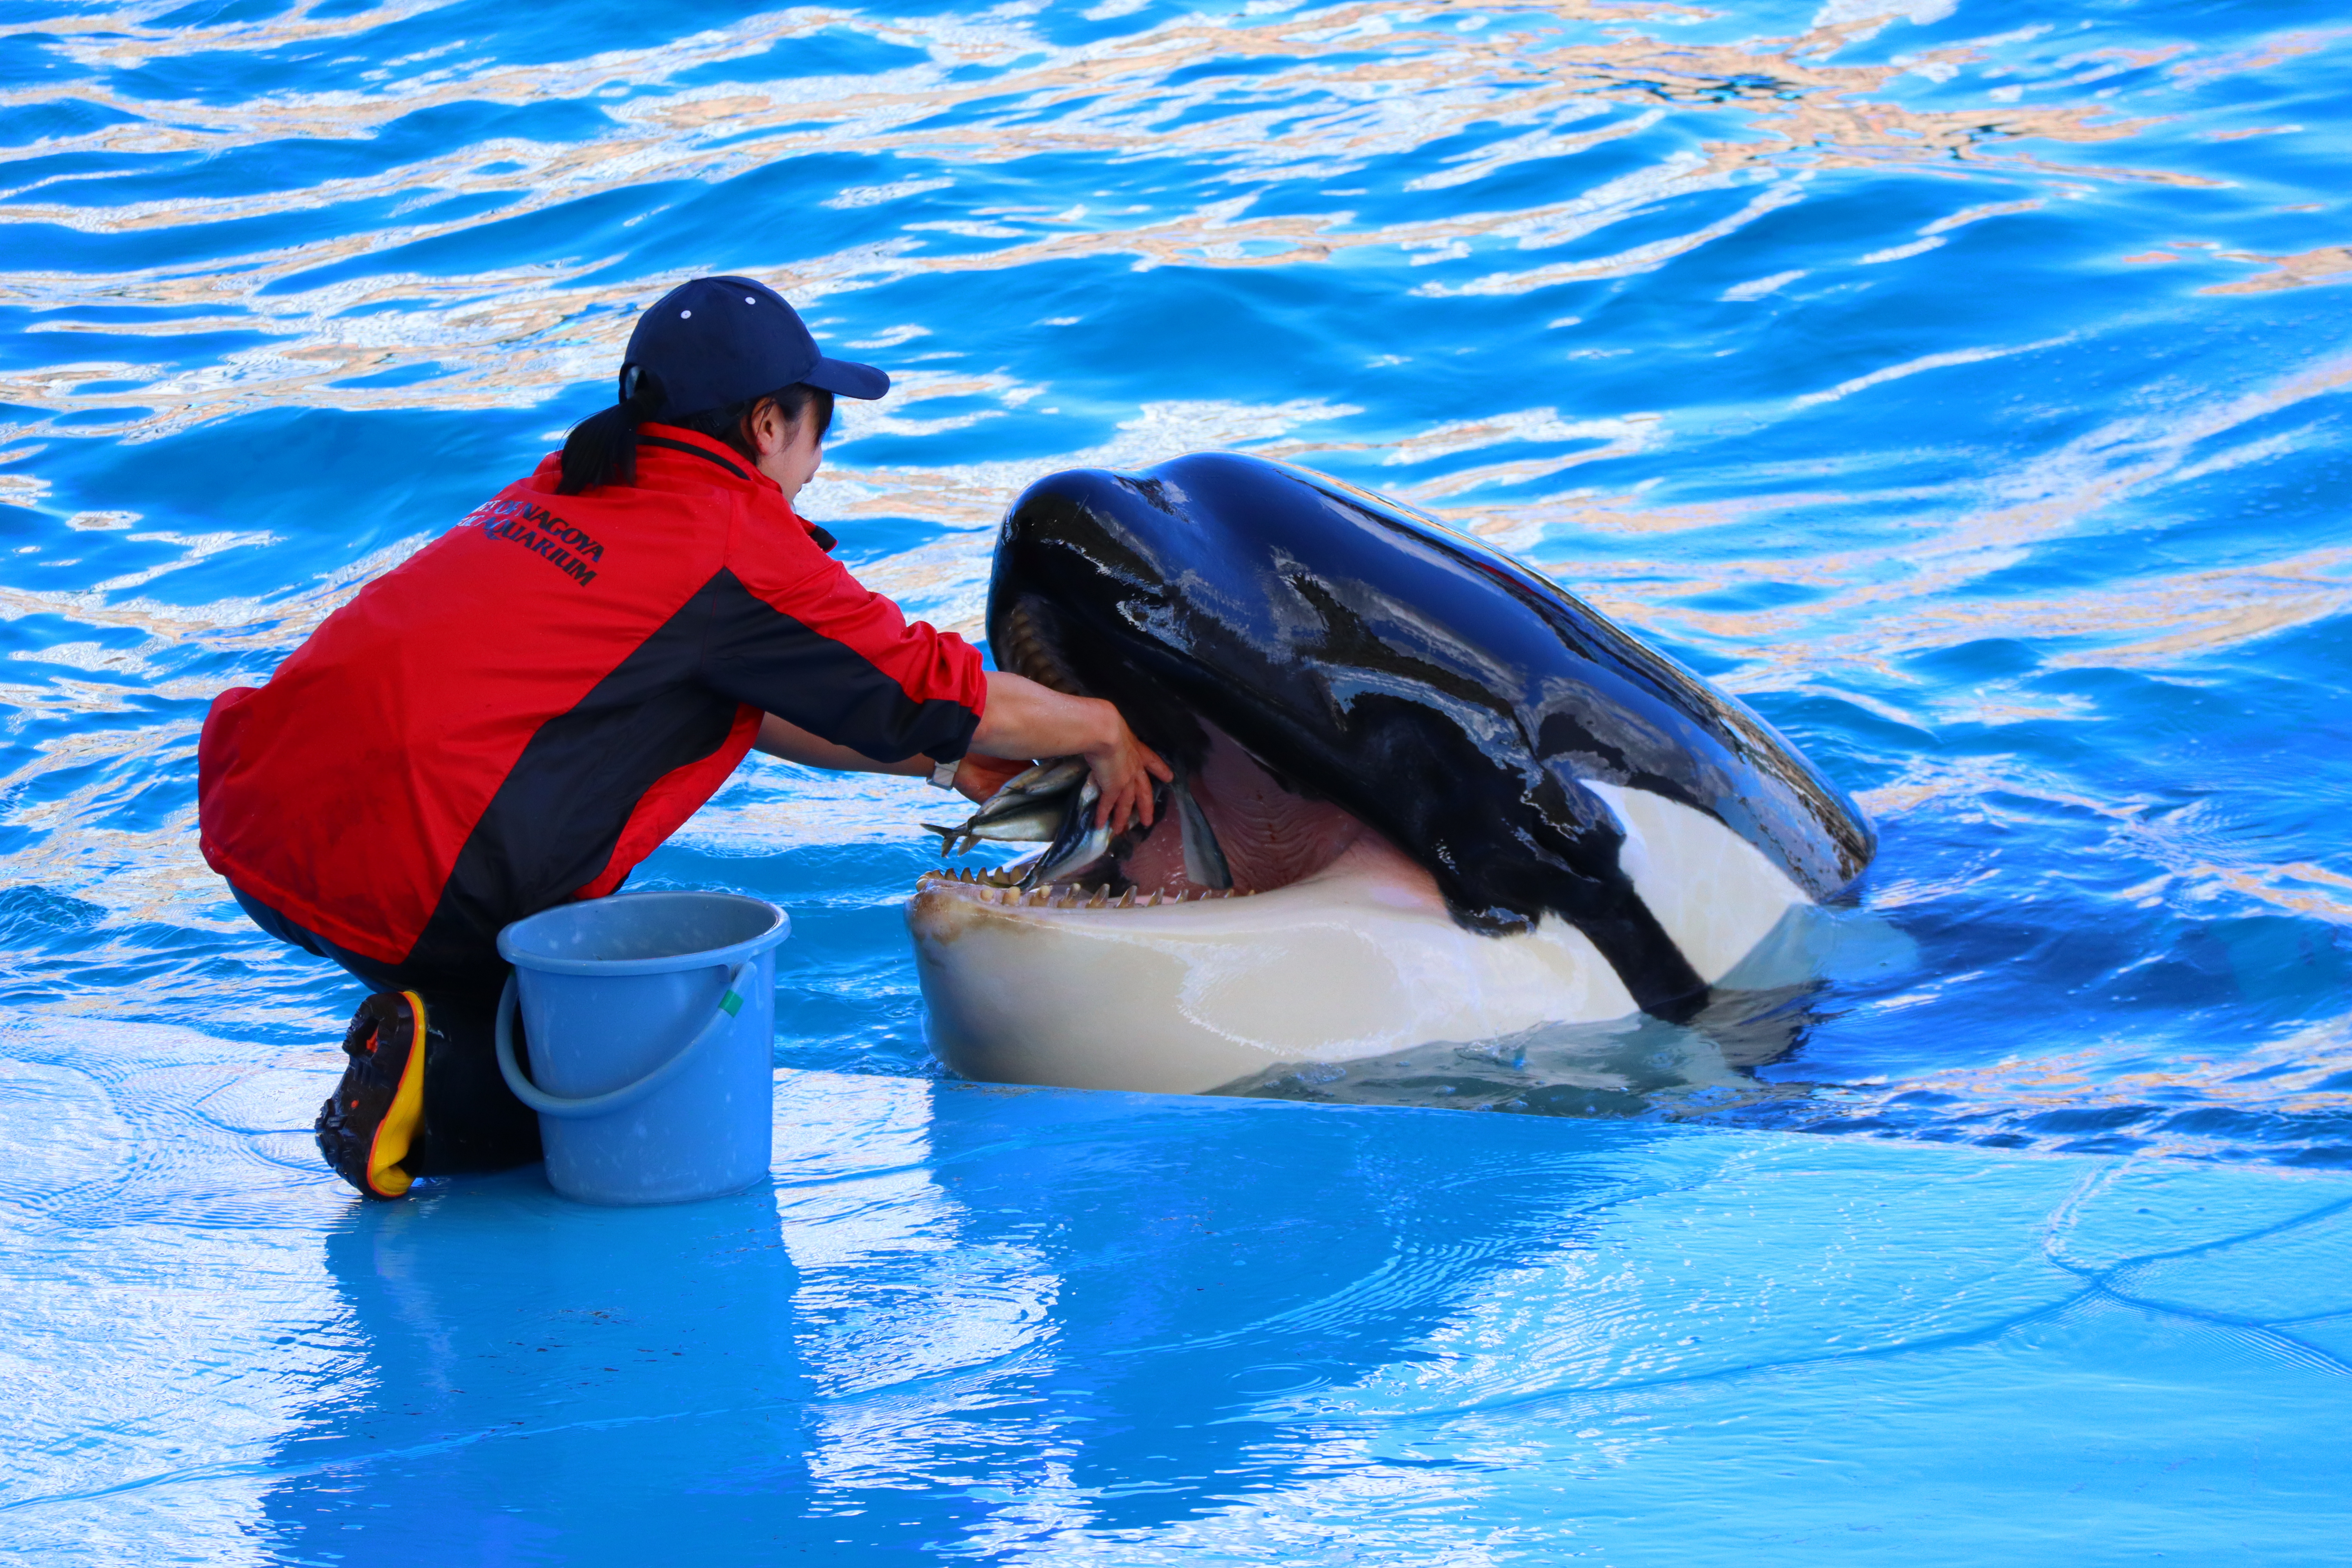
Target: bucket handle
731, 1002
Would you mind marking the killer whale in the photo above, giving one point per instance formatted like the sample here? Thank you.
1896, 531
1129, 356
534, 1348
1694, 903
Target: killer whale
1377, 719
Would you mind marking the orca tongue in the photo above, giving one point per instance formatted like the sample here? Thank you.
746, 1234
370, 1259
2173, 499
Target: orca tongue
1205, 858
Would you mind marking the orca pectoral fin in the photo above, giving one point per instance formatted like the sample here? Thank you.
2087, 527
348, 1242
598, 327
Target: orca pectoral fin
1625, 930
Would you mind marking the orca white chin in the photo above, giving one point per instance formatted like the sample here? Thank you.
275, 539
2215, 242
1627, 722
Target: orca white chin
1184, 991
1358, 960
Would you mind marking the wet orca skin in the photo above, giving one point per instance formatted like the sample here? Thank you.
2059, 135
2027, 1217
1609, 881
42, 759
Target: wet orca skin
1452, 699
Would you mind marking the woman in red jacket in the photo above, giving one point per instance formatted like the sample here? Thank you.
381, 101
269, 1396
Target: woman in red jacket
522, 710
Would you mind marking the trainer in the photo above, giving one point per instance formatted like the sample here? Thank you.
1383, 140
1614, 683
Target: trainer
522, 710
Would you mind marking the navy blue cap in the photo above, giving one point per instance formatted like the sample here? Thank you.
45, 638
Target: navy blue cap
717, 340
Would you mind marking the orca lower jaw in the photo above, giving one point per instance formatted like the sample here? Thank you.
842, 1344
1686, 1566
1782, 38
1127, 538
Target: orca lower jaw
1095, 991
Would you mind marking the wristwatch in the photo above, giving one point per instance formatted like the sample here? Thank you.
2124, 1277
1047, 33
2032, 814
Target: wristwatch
943, 774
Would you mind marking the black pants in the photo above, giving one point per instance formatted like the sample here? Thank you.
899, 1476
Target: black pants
472, 1121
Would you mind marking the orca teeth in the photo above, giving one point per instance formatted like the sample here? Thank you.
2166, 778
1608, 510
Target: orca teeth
993, 888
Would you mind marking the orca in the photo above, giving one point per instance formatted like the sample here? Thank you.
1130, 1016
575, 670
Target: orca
1423, 793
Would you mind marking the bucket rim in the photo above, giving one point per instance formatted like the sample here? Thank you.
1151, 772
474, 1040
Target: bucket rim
780, 926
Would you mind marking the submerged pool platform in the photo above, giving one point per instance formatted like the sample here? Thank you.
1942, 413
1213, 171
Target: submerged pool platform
1041, 1326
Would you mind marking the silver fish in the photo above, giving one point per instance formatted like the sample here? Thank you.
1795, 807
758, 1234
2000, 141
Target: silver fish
1079, 846
1028, 808
1037, 825
1047, 778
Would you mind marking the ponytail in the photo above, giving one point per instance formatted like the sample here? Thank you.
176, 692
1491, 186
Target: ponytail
603, 448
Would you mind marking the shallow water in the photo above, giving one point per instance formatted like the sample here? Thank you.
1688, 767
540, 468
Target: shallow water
1961, 384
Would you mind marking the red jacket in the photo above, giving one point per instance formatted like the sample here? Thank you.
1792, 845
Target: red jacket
521, 711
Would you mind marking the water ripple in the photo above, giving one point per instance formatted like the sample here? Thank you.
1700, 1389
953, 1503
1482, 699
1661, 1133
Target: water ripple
1962, 384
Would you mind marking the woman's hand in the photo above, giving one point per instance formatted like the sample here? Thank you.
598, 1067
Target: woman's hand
978, 776
1024, 719
1123, 768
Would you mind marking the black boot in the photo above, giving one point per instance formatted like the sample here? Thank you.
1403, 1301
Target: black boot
422, 1097
373, 1124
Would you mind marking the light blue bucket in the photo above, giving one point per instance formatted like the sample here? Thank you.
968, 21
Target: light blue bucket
649, 1017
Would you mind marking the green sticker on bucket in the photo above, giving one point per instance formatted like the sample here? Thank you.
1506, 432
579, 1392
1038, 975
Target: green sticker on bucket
731, 1004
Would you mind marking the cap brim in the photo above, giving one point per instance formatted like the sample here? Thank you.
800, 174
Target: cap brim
847, 378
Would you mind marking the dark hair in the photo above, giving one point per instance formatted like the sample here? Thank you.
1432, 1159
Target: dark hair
603, 448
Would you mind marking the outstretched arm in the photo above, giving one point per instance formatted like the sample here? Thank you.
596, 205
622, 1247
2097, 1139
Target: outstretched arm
1022, 720
977, 777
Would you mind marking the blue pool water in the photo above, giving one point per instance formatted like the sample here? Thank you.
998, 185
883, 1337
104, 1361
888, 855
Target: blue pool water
1961, 381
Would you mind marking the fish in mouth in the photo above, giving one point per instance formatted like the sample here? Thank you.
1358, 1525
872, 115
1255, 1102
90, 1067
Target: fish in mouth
1423, 793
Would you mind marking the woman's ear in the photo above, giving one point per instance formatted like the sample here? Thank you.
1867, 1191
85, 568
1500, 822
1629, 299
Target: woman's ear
770, 432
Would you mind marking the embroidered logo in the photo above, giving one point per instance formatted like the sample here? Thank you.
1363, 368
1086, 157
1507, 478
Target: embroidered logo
542, 533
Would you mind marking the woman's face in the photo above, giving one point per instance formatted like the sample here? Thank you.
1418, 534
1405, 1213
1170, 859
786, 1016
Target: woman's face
788, 451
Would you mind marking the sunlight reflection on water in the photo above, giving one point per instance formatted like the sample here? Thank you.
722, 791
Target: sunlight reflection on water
1961, 384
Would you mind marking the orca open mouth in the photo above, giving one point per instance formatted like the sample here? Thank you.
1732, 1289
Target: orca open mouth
1229, 828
